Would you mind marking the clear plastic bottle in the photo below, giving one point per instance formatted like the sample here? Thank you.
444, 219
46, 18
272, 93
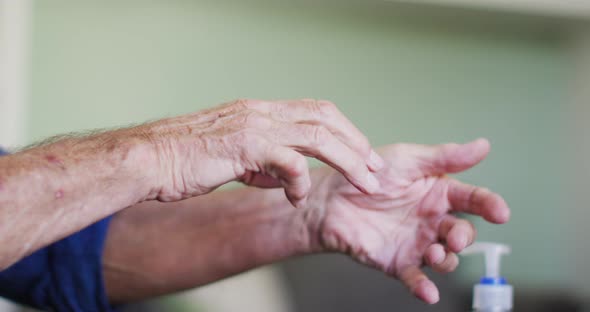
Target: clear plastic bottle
492, 293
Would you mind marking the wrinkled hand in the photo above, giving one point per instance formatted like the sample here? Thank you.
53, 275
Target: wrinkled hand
260, 143
409, 223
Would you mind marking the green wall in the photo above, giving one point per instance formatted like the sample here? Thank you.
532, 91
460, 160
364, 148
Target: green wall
401, 74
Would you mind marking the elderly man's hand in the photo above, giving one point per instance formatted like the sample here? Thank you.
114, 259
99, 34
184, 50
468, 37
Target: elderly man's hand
409, 223
260, 143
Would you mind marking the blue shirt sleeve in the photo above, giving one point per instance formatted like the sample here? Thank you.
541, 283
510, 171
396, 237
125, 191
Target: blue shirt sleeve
64, 276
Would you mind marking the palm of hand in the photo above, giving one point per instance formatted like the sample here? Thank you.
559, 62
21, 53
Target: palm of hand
401, 228
388, 231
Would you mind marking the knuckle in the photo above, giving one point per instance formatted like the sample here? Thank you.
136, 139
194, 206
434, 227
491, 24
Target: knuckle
322, 108
319, 135
326, 106
253, 118
243, 103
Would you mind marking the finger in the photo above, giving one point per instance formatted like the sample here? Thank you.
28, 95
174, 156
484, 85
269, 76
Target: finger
434, 254
449, 264
452, 158
477, 201
457, 233
291, 169
325, 113
419, 284
320, 143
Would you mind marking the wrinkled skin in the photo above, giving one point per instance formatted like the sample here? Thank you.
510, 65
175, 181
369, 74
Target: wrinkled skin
409, 223
391, 212
260, 143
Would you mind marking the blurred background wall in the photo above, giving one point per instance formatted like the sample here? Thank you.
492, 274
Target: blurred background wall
400, 72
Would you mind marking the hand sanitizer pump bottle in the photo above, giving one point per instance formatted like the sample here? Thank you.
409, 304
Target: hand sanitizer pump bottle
492, 293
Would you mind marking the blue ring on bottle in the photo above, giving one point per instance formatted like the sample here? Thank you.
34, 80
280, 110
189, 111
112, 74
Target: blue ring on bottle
492, 281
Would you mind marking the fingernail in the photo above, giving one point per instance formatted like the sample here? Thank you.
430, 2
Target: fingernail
375, 161
372, 183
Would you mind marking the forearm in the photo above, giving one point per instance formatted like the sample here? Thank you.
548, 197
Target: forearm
157, 248
53, 190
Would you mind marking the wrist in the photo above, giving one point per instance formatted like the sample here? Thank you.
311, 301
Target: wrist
140, 160
169, 150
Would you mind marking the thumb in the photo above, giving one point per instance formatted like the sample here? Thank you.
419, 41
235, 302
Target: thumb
452, 157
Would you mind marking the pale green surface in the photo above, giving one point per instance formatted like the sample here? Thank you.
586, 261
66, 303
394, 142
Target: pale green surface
110, 63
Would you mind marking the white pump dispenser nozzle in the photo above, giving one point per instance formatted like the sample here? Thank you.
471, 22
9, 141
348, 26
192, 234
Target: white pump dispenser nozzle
492, 253
492, 293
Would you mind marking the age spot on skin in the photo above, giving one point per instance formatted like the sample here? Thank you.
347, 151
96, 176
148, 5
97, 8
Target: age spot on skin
55, 161
59, 194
